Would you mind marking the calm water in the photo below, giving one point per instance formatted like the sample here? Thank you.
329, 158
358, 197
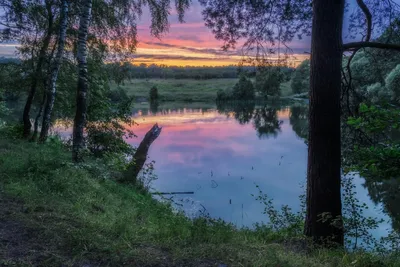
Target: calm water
221, 155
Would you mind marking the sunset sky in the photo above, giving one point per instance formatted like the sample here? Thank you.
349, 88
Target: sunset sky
190, 43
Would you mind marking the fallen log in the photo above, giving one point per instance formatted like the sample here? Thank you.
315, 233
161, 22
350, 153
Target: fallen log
140, 156
172, 193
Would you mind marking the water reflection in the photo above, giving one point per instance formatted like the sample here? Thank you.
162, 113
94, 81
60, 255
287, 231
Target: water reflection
387, 193
266, 122
221, 154
299, 120
264, 119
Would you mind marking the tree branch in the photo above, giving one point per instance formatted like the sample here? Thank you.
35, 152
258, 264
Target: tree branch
358, 45
368, 17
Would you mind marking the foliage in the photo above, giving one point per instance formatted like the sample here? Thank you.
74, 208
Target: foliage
268, 82
118, 72
284, 221
257, 21
3, 109
153, 94
357, 227
243, 90
393, 84
300, 81
381, 158
117, 95
108, 138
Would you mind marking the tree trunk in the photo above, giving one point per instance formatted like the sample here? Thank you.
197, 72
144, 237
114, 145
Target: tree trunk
81, 96
324, 208
55, 67
140, 156
39, 114
35, 78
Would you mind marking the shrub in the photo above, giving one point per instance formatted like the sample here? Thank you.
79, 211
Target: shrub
223, 96
301, 78
118, 95
393, 83
268, 82
243, 90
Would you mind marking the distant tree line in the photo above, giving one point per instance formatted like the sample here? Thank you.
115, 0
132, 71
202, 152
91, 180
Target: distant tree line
120, 72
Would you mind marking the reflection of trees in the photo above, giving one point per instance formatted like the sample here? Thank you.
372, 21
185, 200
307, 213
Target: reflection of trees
386, 192
242, 111
299, 120
266, 122
265, 119
154, 107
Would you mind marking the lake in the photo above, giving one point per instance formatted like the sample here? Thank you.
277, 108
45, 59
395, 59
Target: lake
222, 154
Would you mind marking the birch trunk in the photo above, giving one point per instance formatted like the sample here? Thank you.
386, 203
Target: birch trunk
81, 96
54, 69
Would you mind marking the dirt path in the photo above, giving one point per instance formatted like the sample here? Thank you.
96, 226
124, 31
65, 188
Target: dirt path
29, 243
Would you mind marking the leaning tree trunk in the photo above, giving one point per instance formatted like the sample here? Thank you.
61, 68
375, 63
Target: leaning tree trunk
140, 156
324, 208
35, 78
55, 68
81, 96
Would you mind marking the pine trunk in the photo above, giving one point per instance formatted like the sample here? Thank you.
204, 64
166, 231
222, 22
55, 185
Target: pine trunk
55, 68
324, 209
81, 97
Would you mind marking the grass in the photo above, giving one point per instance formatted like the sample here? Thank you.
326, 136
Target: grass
184, 90
89, 217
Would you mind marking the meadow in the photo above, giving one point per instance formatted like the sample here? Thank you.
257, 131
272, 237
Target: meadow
183, 90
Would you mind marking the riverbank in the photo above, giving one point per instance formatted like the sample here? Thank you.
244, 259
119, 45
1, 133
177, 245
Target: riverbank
184, 90
54, 212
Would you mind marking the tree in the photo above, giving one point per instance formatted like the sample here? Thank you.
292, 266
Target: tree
55, 68
268, 82
243, 90
153, 94
277, 23
121, 34
300, 82
82, 89
393, 84
25, 21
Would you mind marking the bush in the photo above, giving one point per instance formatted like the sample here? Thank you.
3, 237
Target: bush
301, 78
118, 95
223, 95
153, 95
378, 93
268, 82
108, 138
393, 83
243, 90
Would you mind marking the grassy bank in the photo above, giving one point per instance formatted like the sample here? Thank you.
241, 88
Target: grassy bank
184, 90
78, 214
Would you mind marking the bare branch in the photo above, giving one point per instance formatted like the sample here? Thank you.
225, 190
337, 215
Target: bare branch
368, 17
